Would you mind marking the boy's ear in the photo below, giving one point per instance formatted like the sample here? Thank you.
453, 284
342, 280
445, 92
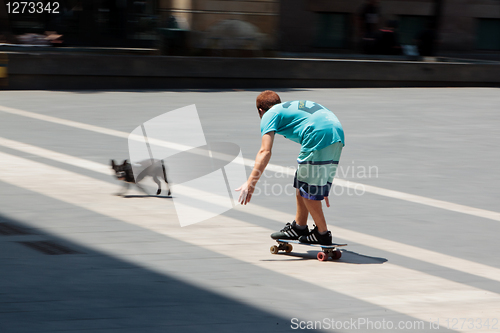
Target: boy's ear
113, 163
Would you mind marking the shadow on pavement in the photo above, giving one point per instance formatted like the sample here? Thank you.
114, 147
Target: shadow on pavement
348, 257
147, 196
89, 290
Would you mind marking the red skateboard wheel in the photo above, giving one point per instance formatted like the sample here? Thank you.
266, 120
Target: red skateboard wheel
322, 256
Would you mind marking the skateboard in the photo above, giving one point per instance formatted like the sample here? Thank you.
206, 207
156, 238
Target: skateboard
327, 250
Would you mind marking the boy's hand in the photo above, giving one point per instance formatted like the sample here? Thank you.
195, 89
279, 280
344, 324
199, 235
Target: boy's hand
245, 193
327, 202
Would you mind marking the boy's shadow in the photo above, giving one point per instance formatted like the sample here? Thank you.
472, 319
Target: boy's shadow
348, 257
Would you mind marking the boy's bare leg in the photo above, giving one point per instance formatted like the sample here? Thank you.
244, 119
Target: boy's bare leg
315, 208
302, 212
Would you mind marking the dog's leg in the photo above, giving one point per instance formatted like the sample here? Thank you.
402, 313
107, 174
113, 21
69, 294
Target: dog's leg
141, 188
168, 186
165, 177
157, 181
124, 189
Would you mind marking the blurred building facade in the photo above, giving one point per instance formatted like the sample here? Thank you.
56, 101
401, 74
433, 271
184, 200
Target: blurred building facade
283, 25
332, 25
227, 24
106, 23
203, 14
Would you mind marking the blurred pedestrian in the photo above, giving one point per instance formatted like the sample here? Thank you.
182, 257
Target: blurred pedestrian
387, 40
426, 41
368, 18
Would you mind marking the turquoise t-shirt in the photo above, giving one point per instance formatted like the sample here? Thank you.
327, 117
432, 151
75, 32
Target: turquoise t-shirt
305, 122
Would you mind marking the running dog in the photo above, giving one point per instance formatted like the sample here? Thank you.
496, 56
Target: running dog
152, 168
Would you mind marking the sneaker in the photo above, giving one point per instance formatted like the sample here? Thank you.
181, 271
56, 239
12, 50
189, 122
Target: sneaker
314, 237
290, 231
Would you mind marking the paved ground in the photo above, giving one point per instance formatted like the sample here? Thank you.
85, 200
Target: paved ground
422, 232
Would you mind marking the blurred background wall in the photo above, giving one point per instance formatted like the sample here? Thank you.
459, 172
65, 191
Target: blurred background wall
324, 26
333, 25
109, 23
226, 24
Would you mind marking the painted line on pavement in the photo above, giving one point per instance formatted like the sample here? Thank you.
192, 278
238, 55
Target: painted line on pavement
271, 167
403, 290
417, 253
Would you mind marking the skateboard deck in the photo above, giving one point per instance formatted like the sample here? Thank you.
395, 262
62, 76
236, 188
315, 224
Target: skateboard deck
327, 250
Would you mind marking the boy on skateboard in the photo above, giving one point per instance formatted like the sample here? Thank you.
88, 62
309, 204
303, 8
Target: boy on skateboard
321, 137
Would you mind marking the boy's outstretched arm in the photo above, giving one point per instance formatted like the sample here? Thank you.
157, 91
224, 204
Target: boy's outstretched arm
261, 161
